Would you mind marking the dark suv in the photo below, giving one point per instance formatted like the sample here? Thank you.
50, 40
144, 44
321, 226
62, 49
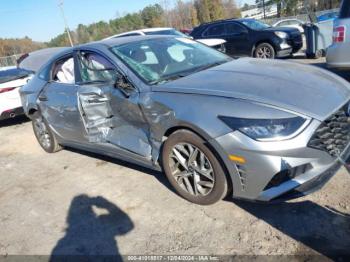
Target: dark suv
250, 37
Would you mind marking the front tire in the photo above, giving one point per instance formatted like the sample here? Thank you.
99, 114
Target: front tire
44, 135
264, 51
193, 169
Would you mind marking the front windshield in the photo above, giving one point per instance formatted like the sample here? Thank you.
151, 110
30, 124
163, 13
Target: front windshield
255, 24
165, 59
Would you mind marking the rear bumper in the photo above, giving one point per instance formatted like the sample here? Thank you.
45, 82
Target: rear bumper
338, 56
11, 113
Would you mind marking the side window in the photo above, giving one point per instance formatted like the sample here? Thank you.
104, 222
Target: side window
215, 30
284, 23
93, 67
131, 34
234, 29
63, 71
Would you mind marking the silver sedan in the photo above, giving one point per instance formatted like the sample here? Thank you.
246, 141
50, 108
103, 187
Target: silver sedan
255, 129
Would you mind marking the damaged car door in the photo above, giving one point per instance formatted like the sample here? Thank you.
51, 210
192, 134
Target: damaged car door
58, 100
108, 105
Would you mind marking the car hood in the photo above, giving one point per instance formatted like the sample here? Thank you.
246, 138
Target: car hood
307, 90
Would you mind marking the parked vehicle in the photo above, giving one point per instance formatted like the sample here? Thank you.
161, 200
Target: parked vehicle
13, 78
218, 44
10, 82
328, 16
186, 31
214, 124
293, 23
338, 54
250, 37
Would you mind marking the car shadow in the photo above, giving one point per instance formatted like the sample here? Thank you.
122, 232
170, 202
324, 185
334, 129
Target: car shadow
14, 121
323, 229
160, 176
93, 225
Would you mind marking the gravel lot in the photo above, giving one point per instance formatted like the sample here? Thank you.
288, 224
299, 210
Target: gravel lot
77, 203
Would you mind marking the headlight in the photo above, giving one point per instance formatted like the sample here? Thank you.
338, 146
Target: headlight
266, 129
281, 34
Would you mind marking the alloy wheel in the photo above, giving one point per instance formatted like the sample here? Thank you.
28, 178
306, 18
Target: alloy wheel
264, 52
42, 132
192, 169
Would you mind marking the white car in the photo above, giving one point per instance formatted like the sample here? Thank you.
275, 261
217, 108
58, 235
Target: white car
293, 23
215, 43
10, 82
13, 78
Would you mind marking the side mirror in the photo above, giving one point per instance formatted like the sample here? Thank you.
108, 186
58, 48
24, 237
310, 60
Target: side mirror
123, 84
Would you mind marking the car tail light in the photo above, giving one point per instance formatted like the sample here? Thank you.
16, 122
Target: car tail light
3, 90
339, 34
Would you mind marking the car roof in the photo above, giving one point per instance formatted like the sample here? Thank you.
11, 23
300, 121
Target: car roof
34, 60
228, 20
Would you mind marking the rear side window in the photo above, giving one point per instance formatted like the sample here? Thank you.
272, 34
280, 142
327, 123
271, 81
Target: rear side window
131, 34
166, 32
234, 29
63, 70
345, 9
215, 30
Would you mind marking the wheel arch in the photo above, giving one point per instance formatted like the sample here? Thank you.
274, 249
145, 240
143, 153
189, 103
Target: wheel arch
202, 134
31, 111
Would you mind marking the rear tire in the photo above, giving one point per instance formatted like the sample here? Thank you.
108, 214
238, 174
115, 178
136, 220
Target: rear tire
193, 169
264, 51
44, 134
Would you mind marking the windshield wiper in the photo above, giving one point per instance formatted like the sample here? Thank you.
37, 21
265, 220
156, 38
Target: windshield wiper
167, 79
207, 66
185, 73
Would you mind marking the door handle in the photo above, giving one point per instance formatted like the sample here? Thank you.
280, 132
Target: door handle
97, 100
42, 98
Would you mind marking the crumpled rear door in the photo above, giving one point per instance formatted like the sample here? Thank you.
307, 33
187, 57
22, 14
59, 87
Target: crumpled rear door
110, 117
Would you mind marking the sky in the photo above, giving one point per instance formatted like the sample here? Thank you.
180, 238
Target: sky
41, 20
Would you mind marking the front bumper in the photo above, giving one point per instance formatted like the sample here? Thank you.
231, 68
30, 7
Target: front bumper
283, 49
264, 160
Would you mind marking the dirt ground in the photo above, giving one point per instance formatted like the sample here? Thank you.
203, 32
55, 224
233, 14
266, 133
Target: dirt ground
78, 203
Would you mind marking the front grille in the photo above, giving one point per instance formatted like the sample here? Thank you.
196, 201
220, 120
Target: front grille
333, 135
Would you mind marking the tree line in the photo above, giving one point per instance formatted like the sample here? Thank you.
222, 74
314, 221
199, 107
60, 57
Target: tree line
9, 47
179, 14
295, 7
